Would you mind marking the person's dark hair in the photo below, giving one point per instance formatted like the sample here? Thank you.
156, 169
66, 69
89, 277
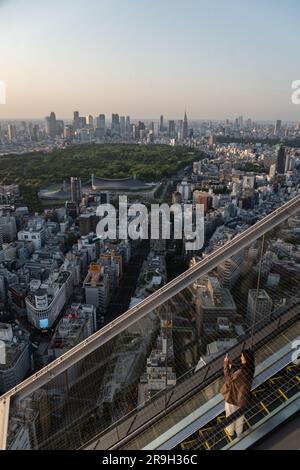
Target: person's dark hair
250, 362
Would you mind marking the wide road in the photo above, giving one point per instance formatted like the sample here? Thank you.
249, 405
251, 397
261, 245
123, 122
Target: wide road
127, 286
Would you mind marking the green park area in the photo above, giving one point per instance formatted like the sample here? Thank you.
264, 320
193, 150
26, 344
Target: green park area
38, 170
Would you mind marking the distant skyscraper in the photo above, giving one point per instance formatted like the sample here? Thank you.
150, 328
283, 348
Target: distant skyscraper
180, 129
51, 125
134, 131
101, 121
76, 192
60, 125
12, 131
280, 159
81, 122
161, 124
68, 132
277, 126
141, 128
122, 125
127, 125
185, 129
35, 132
47, 125
89, 120
241, 122
172, 130
30, 128
75, 120
115, 124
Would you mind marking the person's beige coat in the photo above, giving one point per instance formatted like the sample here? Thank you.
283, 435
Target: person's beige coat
237, 387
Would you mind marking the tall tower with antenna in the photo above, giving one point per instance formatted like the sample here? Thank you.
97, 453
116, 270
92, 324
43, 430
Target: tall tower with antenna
185, 127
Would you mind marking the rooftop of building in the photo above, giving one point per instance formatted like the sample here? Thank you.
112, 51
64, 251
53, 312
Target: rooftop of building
221, 299
15, 338
69, 330
125, 184
34, 224
261, 294
53, 284
95, 276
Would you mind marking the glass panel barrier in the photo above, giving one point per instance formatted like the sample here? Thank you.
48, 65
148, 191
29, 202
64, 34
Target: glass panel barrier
172, 357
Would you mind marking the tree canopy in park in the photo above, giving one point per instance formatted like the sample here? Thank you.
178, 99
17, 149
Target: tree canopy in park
37, 170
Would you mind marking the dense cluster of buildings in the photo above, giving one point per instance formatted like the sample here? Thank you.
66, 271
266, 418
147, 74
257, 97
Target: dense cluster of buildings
24, 136
58, 278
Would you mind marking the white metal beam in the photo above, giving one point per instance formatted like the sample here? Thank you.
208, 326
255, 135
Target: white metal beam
4, 414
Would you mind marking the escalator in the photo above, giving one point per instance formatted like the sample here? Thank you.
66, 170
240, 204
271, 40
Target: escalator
267, 398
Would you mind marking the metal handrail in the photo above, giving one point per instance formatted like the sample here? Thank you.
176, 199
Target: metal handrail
215, 367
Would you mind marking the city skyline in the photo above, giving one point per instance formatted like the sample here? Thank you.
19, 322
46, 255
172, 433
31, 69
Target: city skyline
148, 119
141, 61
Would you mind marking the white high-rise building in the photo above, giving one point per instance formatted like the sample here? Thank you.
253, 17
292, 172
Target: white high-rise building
89, 121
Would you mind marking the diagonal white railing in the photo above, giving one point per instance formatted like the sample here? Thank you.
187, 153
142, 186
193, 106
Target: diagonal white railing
152, 302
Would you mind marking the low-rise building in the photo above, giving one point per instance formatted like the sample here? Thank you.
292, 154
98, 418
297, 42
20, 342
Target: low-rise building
35, 232
160, 369
212, 302
15, 355
46, 300
78, 323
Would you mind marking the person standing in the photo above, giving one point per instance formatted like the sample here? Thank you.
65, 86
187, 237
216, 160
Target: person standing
237, 388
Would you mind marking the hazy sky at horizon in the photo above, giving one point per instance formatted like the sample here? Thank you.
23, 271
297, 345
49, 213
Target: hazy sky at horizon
216, 58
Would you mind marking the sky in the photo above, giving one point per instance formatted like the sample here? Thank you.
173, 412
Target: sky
215, 58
